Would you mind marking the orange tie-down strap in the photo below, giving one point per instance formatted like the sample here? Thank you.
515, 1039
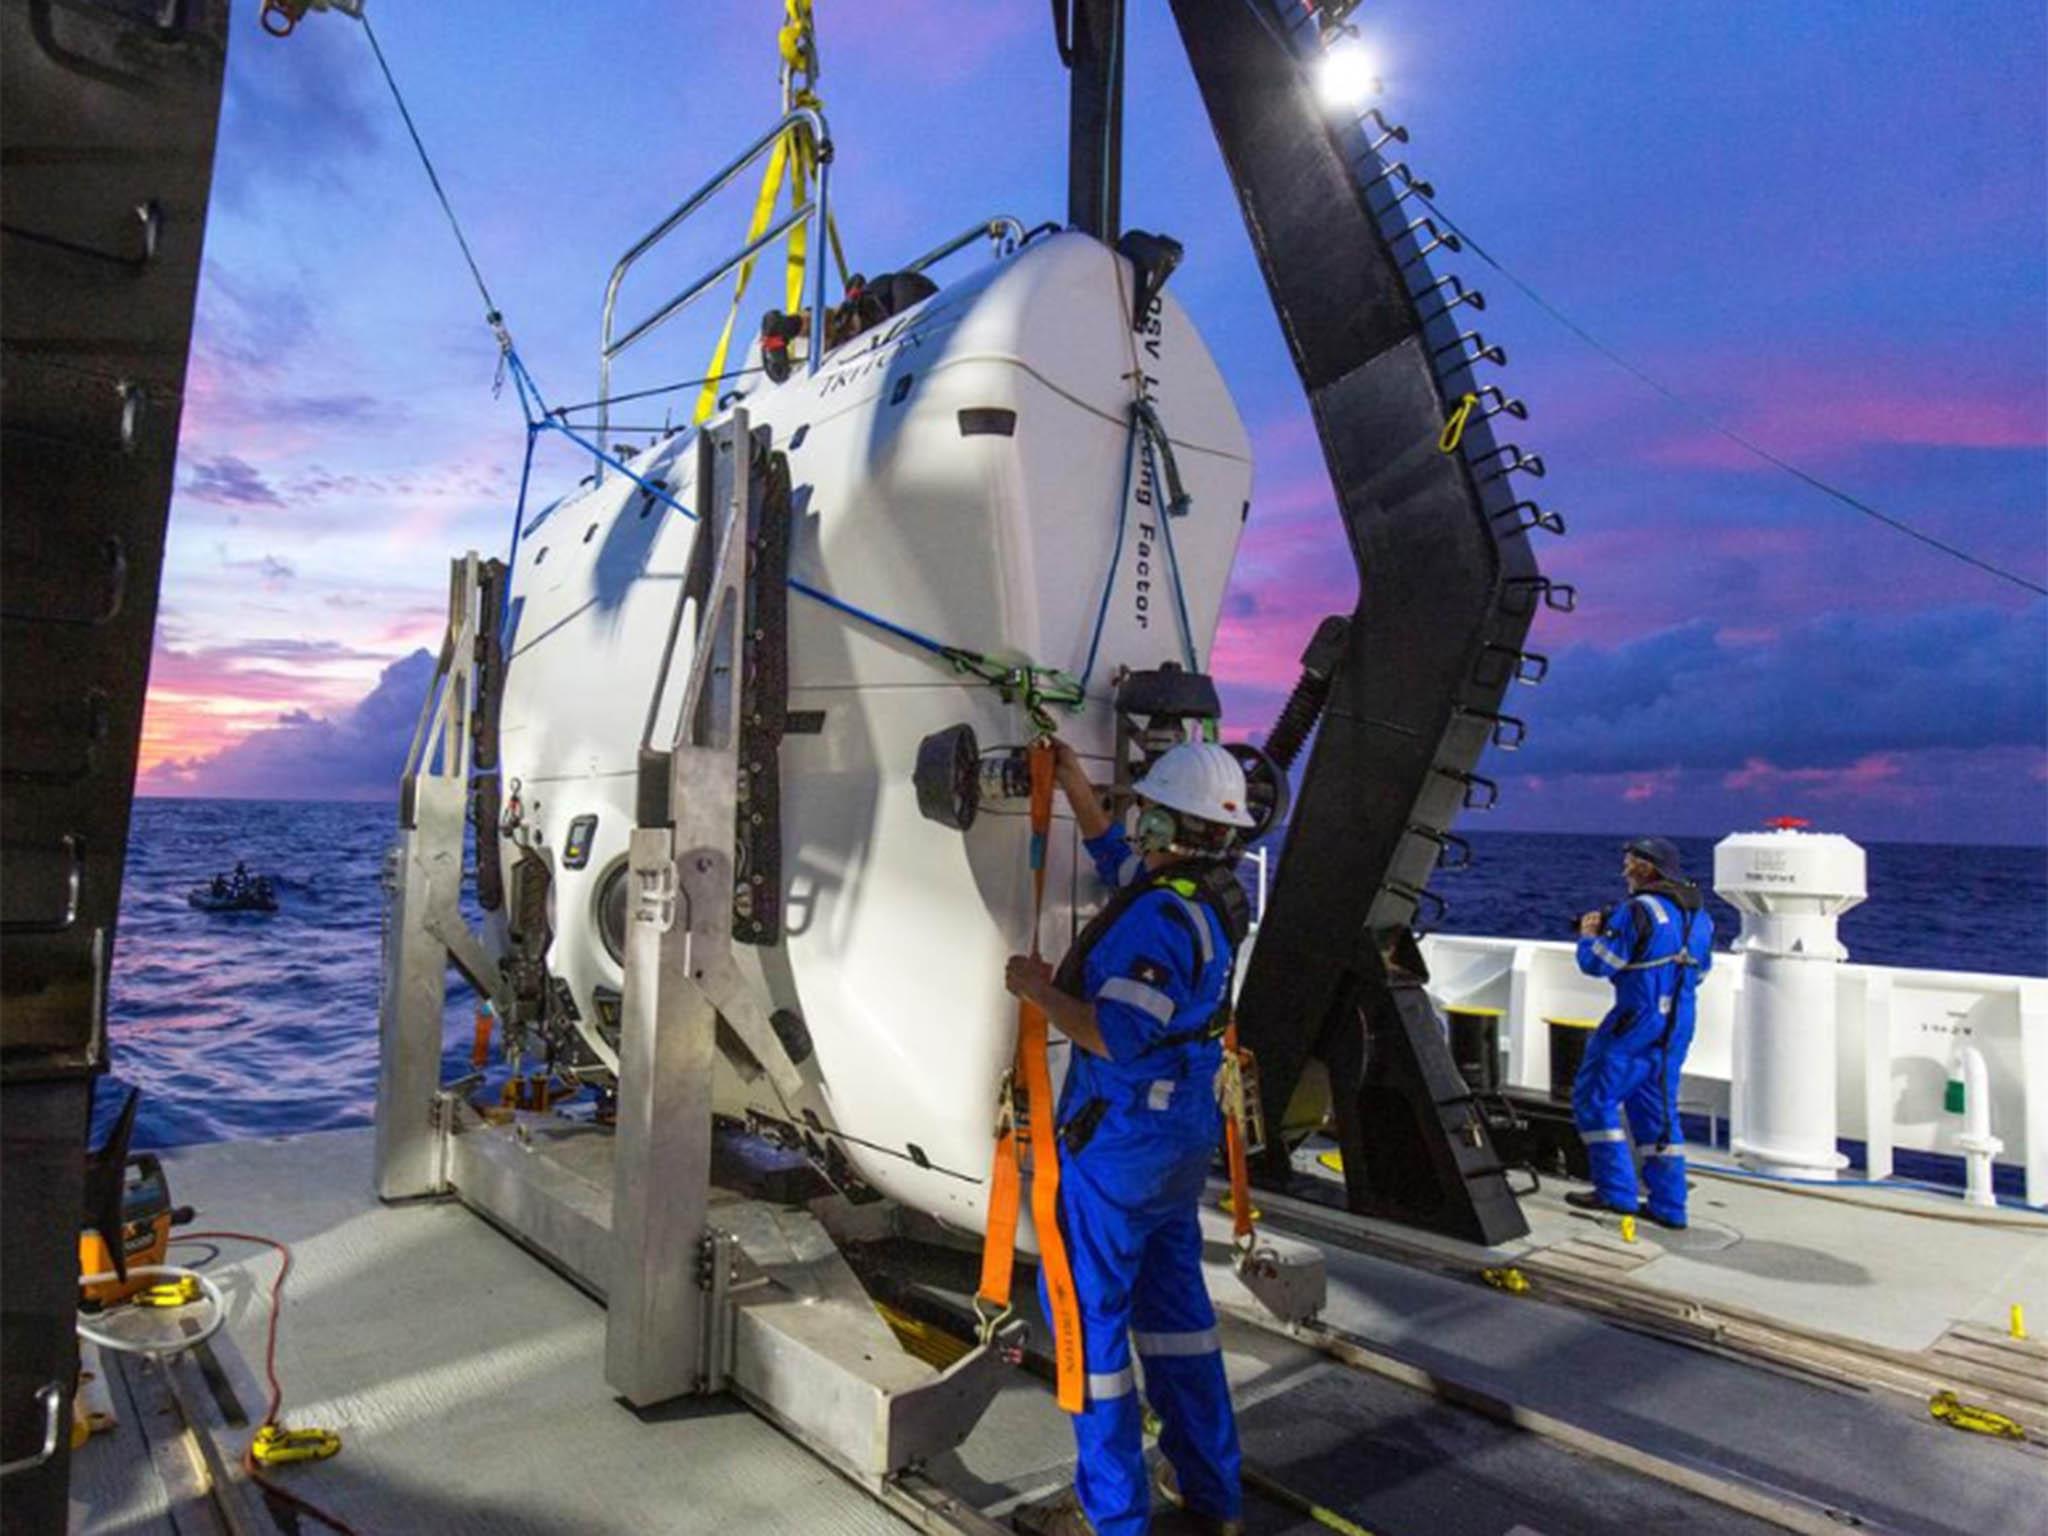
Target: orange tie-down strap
1030, 1101
1236, 1154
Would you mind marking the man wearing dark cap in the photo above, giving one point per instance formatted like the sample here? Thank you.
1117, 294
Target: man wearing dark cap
1654, 947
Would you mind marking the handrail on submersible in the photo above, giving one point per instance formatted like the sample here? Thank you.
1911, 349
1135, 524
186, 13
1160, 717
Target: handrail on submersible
1003, 232
816, 210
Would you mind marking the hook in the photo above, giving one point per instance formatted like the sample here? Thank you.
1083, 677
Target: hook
1390, 133
1530, 464
1481, 793
1501, 403
1560, 597
1508, 731
1528, 515
1529, 667
1447, 845
1481, 353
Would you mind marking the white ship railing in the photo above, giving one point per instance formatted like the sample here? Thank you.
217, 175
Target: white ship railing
1898, 1041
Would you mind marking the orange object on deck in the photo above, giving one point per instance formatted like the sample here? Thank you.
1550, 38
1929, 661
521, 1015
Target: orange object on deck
480, 1052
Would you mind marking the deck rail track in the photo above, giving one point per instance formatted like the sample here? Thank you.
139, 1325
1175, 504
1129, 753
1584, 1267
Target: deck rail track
1784, 1508
1719, 1327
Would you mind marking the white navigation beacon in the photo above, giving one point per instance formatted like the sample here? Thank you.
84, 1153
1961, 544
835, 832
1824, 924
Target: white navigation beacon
1791, 888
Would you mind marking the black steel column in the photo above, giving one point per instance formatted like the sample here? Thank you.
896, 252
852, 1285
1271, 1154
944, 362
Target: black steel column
107, 121
1448, 582
1094, 51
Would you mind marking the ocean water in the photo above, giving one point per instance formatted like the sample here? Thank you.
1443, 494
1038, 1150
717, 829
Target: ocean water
238, 1026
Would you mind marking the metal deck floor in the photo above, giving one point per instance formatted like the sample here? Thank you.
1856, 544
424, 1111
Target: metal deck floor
466, 1378
1893, 1267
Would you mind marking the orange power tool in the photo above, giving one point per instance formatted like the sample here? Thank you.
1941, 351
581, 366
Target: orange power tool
128, 1216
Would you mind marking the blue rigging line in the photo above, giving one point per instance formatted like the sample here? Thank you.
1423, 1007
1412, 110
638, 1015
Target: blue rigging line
1123, 516
533, 406
1166, 517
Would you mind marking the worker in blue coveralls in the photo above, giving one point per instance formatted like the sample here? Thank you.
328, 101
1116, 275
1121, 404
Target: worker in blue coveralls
1141, 995
1654, 947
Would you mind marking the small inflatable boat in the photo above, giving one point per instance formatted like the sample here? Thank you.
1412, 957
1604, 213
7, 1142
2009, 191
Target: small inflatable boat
256, 896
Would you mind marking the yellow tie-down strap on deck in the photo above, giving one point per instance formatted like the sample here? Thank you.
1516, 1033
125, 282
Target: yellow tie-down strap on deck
1953, 1411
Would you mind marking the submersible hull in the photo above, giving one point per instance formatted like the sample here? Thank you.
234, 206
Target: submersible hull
966, 471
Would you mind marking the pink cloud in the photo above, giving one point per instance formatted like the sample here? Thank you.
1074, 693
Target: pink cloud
1650, 786
202, 699
1809, 413
1877, 775
1738, 637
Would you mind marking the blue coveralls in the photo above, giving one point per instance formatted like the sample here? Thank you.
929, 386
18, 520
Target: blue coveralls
1635, 1057
1129, 1198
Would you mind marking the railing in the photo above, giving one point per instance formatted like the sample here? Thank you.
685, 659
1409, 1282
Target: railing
1896, 1035
816, 210
1004, 233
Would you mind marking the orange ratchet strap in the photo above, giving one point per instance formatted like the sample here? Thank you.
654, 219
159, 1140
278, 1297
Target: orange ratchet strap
1234, 1150
1028, 1093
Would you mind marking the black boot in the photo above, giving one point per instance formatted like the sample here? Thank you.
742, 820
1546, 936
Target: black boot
1592, 1200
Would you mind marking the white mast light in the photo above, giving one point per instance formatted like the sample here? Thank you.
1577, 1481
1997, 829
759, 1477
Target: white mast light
1347, 76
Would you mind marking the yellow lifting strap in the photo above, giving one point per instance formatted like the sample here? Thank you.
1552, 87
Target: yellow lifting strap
796, 158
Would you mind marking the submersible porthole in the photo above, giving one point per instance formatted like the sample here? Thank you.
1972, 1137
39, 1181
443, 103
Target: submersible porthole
611, 910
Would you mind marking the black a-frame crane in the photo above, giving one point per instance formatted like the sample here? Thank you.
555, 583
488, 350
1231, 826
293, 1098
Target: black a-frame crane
1404, 694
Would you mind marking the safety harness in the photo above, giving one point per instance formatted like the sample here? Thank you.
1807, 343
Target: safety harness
1196, 884
1688, 966
1027, 1108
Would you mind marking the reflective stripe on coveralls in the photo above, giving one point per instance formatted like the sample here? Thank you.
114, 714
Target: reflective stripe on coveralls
1129, 1199
1633, 1062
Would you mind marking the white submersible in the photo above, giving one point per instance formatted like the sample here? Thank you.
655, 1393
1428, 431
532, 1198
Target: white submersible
1791, 888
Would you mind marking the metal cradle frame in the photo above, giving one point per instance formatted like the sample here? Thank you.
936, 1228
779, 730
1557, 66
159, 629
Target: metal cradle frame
706, 1291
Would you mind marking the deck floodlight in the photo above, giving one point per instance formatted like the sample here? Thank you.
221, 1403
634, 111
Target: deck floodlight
1347, 76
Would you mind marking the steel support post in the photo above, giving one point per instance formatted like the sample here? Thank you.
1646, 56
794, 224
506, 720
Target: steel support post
680, 938
423, 927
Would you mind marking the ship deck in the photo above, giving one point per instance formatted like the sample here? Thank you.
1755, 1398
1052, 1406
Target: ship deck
466, 1378
1897, 1267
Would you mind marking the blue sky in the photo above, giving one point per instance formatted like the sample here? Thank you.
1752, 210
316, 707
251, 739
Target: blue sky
1824, 224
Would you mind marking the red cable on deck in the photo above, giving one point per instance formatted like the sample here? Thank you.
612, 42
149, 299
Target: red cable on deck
304, 1506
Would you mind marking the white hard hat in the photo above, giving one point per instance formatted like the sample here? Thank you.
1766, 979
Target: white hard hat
1199, 779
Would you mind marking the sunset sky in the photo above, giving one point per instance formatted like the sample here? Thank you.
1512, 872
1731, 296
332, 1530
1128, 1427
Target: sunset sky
1823, 224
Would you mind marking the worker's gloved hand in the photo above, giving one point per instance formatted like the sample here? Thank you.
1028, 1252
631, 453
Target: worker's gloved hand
1072, 776
1027, 977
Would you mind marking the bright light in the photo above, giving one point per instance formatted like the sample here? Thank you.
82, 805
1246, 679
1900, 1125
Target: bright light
1347, 77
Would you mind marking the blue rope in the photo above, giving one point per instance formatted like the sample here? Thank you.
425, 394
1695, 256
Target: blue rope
642, 481
1023, 680
1166, 516
533, 405
889, 626
490, 304
1123, 516
519, 510
545, 422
